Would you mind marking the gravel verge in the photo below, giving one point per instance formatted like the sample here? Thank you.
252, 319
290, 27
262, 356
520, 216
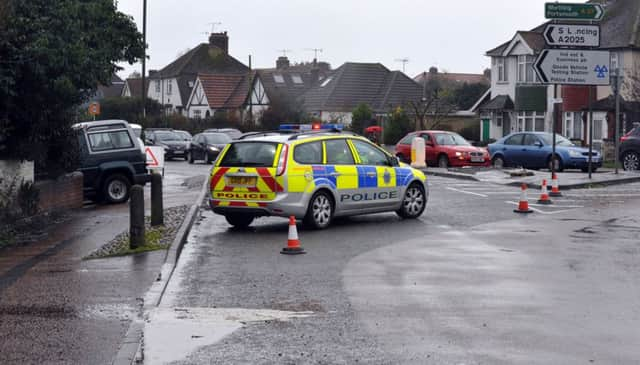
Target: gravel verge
158, 238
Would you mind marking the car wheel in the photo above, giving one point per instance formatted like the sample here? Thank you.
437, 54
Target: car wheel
319, 211
631, 161
443, 161
557, 162
190, 156
413, 203
498, 162
116, 189
239, 220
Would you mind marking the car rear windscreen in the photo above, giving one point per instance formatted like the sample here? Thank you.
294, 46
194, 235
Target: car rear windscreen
250, 154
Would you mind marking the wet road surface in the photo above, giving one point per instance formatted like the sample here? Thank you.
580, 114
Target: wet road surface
56, 308
469, 282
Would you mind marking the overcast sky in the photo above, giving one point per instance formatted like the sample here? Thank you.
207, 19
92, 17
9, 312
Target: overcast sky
450, 34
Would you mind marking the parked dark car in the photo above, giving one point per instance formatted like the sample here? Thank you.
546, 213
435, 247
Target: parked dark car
207, 146
533, 150
231, 132
186, 136
111, 160
630, 149
173, 144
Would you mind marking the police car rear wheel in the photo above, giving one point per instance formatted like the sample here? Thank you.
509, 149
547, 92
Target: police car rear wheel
239, 220
320, 210
413, 203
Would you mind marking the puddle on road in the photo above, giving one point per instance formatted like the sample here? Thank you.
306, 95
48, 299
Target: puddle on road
171, 334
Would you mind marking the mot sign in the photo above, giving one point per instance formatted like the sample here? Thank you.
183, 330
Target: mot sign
572, 35
573, 67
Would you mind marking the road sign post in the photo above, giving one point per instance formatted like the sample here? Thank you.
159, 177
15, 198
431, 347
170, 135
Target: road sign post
572, 35
574, 11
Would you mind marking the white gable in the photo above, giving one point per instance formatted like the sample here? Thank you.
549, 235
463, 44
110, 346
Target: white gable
198, 97
258, 94
517, 46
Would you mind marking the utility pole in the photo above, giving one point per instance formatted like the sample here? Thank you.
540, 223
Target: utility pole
616, 141
144, 58
404, 62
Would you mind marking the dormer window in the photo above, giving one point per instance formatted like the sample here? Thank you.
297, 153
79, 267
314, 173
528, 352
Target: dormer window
296, 79
279, 79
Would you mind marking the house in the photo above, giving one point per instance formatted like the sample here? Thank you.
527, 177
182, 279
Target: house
173, 85
334, 98
133, 87
219, 92
109, 91
520, 102
285, 83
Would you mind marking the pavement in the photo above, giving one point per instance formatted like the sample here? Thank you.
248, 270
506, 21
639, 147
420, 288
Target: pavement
566, 179
57, 308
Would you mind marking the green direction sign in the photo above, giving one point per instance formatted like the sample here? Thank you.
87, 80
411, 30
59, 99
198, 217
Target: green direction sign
573, 11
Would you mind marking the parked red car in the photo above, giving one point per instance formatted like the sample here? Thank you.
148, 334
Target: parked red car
444, 149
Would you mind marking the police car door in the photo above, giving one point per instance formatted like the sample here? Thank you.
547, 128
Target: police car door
340, 169
376, 177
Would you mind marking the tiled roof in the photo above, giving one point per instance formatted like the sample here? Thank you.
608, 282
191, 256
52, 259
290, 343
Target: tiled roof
355, 83
204, 58
112, 90
225, 91
287, 88
453, 77
500, 102
535, 40
135, 86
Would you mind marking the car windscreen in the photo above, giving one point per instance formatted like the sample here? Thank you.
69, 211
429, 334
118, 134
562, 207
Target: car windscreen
185, 135
450, 139
218, 138
560, 140
167, 136
258, 154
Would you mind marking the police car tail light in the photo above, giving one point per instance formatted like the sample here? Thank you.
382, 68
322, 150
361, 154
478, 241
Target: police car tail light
282, 163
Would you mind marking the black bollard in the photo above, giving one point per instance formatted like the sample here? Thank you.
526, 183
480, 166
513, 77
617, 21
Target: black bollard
136, 217
157, 211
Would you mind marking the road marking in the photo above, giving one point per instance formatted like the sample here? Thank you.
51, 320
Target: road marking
542, 211
467, 192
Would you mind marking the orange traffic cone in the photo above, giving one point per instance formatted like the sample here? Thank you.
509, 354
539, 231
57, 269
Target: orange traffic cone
544, 197
555, 189
293, 243
523, 206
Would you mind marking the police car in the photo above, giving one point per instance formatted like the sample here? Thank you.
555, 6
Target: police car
314, 176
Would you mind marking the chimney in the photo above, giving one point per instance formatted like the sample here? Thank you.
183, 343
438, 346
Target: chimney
152, 73
433, 70
220, 40
282, 62
315, 75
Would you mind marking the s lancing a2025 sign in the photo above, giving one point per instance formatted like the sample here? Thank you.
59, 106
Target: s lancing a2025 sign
572, 35
573, 67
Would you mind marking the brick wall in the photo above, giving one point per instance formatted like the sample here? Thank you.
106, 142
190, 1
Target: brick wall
62, 193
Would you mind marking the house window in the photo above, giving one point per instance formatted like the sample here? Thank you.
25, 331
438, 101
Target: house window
502, 70
530, 122
169, 87
573, 125
597, 129
499, 117
197, 114
158, 86
279, 79
296, 79
525, 69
